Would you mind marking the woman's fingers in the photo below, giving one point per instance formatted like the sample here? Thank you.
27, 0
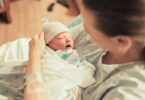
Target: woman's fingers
41, 35
24, 69
37, 46
36, 36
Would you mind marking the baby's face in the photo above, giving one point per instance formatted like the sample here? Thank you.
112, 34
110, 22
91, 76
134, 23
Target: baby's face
62, 41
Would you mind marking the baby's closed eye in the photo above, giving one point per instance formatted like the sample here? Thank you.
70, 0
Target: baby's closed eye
60, 38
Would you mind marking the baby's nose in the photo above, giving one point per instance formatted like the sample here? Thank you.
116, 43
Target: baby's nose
67, 40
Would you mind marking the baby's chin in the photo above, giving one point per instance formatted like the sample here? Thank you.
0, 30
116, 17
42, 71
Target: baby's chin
67, 48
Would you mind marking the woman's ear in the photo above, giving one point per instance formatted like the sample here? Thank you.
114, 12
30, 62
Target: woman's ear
123, 43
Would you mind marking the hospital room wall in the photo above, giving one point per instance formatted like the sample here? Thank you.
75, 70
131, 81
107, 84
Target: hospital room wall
27, 15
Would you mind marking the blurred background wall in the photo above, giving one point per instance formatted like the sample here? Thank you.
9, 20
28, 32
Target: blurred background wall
27, 15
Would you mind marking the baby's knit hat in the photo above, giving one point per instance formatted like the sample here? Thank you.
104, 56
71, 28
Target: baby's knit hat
51, 29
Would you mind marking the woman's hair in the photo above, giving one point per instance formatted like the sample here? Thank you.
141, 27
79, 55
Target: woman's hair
119, 17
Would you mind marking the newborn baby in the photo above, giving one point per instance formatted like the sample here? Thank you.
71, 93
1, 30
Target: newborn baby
58, 37
62, 71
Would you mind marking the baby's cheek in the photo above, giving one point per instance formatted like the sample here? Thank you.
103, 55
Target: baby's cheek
61, 46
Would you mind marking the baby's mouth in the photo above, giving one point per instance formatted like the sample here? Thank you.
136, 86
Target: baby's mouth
68, 46
47, 45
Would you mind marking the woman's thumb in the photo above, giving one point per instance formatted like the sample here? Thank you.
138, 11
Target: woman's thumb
41, 35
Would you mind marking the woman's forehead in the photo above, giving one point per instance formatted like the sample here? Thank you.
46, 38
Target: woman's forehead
89, 22
88, 16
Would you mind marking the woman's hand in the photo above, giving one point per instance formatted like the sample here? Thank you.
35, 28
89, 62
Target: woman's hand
37, 46
36, 50
32, 71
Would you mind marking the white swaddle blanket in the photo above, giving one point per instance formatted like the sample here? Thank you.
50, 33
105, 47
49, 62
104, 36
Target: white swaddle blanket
63, 80
59, 74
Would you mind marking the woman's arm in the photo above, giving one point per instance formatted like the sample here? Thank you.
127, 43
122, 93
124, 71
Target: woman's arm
35, 86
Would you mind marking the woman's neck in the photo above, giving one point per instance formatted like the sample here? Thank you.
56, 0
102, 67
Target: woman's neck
112, 58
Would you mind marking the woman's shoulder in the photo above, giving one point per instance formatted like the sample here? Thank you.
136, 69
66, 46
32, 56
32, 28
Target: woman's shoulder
135, 71
129, 76
130, 70
124, 83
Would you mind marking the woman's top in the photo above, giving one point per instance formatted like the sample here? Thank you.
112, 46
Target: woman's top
114, 81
